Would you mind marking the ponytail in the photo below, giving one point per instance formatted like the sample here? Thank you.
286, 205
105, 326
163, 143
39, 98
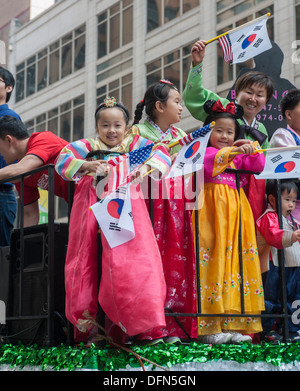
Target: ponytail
138, 112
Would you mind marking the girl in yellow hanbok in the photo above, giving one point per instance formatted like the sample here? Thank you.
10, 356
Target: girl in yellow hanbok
220, 277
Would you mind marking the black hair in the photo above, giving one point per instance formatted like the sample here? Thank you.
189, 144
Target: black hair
253, 77
214, 115
9, 80
285, 184
156, 92
103, 106
290, 101
14, 127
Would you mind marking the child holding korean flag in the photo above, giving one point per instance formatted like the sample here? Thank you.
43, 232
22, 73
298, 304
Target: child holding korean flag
132, 274
253, 91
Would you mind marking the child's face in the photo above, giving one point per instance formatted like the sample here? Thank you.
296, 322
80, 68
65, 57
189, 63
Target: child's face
111, 126
293, 117
288, 202
171, 111
253, 99
223, 133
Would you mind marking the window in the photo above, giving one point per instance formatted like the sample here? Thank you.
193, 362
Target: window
173, 67
115, 27
160, 12
58, 60
298, 21
120, 88
66, 120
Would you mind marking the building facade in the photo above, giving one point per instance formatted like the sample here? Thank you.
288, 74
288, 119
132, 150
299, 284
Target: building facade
70, 57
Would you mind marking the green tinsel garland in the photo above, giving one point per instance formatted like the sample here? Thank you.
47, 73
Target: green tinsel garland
107, 358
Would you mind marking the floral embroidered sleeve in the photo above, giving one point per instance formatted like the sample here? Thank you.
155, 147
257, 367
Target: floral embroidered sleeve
217, 160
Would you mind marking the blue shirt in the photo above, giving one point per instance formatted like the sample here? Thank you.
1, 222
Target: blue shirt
5, 110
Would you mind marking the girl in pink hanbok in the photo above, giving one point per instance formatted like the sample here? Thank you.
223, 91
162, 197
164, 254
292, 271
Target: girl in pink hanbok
132, 287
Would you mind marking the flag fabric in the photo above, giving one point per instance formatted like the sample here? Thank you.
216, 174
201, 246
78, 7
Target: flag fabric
246, 42
124, 165
136, 157
195, 134
281, 163
225, 44
191, 155
114, 216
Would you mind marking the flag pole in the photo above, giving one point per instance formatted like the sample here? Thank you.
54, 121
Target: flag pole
237, 28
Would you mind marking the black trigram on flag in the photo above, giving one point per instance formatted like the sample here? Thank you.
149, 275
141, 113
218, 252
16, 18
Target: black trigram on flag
296, 155
276, 159
197, 157
258, 42
114, 227
121, 190
257, 28
241, 55
180, 165
241, 37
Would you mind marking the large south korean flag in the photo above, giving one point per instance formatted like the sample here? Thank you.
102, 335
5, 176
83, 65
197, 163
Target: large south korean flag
249, 41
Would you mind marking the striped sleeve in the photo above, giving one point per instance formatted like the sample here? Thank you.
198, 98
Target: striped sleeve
71, 158
160, 159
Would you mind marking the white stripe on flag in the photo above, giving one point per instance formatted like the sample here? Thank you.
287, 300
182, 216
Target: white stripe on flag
226, 48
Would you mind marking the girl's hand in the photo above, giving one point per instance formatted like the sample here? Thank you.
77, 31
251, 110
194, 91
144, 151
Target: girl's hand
198, 52
242, 141
138, 176
90, 167
103, 168
245, 149
295, 236
173, 157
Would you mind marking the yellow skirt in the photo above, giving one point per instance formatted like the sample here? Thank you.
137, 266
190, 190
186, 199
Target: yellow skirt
220, 278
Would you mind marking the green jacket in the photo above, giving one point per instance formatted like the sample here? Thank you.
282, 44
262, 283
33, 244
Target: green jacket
195, 96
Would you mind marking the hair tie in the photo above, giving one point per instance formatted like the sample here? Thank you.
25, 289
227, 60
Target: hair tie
166, 82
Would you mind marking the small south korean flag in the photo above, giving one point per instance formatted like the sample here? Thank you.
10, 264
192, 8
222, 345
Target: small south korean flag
114, 216
281, 163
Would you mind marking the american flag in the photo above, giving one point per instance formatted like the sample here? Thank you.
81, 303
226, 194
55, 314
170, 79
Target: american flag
225, 44
136, 157
195, 134
125, 164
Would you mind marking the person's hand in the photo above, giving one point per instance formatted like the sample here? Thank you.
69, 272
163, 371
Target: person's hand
242, 141
103, 168
138, 176
91, 167
296, 236
174, 156
244, 149
198, 52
